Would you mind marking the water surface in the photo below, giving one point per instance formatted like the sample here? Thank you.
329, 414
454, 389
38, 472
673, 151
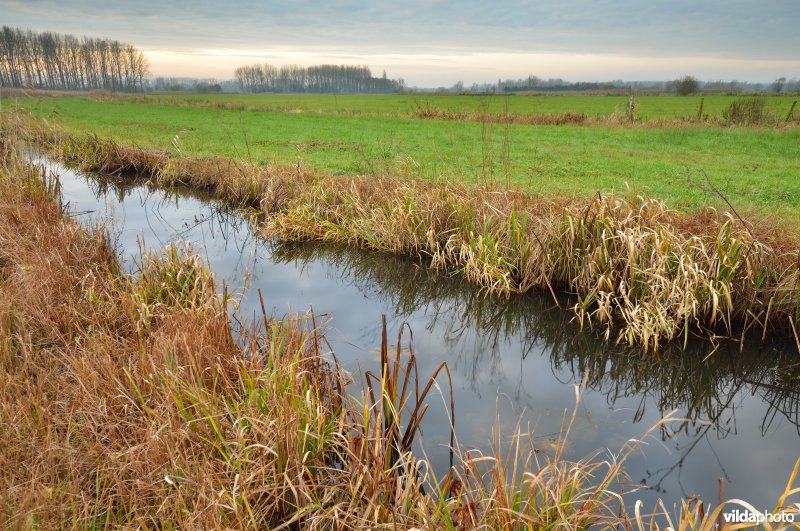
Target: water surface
517, 358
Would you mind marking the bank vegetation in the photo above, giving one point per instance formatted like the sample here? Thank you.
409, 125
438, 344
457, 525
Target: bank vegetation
640, 271
137, 400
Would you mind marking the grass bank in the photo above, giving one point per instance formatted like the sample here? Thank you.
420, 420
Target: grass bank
755, 166
644, 273
135, 401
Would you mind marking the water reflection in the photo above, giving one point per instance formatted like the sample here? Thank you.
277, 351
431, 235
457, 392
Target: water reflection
158, 217
704, 382
518, 348
700, 379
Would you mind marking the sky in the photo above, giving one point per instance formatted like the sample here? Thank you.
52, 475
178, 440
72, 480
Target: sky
432, 43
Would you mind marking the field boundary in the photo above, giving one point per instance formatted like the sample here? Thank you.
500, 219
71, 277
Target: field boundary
642, 272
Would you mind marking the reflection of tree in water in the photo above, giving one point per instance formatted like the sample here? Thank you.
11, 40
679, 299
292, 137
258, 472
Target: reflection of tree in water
211, 221
702, 380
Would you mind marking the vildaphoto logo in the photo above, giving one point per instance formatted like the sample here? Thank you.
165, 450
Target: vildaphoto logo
743, 516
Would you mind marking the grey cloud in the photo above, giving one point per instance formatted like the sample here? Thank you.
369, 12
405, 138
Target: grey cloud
765, 29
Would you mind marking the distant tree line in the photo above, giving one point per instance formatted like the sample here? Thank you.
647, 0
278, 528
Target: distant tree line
533, 83
690, 85
190, 84
177, 84
684, 86
66, 62
323, 79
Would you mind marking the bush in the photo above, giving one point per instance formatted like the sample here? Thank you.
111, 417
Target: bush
686, 85
746, 111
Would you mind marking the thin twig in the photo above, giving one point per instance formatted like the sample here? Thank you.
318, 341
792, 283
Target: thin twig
794, 330
722, 196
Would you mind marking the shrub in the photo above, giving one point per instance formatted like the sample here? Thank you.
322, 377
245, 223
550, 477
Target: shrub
686, 85
746, 111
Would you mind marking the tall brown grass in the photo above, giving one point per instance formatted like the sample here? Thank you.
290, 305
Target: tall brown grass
753, 111
642, 271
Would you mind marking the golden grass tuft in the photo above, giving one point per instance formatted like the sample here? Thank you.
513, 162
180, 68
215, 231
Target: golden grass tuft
632, 267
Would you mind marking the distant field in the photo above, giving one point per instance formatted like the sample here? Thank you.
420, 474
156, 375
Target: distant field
757, 168
648, 107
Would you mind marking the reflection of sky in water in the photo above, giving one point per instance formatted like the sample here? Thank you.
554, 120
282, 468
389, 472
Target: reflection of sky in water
509, 357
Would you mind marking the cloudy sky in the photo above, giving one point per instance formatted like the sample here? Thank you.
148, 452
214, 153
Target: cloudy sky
433, 42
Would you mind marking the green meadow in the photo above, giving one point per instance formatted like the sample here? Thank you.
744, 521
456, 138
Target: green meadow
755, 168
653, 107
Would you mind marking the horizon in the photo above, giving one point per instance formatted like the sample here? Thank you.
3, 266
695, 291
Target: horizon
428, 45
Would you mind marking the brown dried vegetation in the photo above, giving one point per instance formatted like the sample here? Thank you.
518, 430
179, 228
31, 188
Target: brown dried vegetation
130, 402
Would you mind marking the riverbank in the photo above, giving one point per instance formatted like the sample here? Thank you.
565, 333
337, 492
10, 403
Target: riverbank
131, 404
644, 273
138, 401
490, 139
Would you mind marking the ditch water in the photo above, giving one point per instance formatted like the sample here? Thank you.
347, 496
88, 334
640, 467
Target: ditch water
512, 359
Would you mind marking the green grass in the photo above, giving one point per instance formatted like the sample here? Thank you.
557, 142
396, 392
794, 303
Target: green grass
648, 107
757, 168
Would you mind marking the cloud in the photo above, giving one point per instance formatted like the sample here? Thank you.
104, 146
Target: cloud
731, 29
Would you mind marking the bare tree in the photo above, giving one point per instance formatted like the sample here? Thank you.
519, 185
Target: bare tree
317, 79
55, 61
686, 85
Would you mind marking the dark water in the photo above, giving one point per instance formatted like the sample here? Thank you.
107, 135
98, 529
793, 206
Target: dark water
518, 357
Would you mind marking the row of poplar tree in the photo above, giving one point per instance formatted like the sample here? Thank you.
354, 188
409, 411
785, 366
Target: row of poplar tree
66, 62
328, 79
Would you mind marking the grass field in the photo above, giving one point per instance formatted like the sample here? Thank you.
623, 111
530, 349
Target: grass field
755, 167
648, 107
138, 401
130, 403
